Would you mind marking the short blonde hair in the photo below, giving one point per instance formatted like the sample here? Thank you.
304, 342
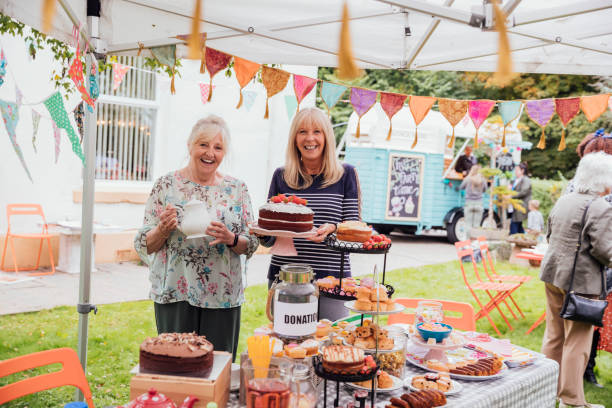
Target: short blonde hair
295, 175
206, 129
535, 204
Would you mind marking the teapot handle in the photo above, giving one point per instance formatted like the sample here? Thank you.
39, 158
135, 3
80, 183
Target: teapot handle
269, 301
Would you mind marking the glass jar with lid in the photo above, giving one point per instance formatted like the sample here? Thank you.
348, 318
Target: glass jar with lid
293, 303
429, 311
303, 393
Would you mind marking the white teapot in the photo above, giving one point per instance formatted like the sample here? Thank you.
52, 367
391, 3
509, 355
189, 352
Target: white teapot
195, 219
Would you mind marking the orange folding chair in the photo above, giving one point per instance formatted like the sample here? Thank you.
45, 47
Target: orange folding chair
464, 322
494, 276
70, 374
27, 209
464, 248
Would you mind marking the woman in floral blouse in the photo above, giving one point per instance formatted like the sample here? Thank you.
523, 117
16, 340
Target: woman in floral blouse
197, 284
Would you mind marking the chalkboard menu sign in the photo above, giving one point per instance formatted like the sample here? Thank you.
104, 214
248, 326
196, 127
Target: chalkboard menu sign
405, 178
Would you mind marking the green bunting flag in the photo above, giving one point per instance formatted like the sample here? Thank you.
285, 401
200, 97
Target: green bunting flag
56, 108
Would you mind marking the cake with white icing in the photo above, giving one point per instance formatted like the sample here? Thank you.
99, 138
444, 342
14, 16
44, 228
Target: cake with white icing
286, 214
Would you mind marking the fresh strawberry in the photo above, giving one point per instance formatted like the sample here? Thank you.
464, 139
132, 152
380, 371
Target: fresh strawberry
282, 197
276, 199
384, 237
376, 238
305, 201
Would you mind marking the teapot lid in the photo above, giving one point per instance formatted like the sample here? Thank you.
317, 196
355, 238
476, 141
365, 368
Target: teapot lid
153, 399
295, 273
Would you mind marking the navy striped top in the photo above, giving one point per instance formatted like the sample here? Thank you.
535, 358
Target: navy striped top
332, 204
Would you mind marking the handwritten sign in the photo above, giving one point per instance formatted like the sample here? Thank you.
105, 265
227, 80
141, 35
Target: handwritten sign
405, 178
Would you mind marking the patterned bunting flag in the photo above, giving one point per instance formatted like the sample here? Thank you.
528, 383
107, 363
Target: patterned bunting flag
18, 96
166, 55
478, 111
302, 86
215, 62
57, 137
10, 116
94, 89
245, 71
509, 110
362, 101
119, 72
56, 108
419, 107
391, 104
76, 74
331, 93
79, 115
204, 92
594, 105
3, 63
292, 106
567, 109
541, 112
35, 123
249, 99
453, 110
274, 80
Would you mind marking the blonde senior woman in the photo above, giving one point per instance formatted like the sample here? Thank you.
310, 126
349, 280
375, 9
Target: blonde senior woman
197, 284
565, 341
313, 171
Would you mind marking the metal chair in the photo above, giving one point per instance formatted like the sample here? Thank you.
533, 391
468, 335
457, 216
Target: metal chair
464, 322
27, 209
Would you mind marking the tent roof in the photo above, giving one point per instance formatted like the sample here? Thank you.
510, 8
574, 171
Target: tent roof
561, 36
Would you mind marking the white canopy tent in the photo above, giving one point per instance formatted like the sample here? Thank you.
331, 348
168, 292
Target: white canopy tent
556, 36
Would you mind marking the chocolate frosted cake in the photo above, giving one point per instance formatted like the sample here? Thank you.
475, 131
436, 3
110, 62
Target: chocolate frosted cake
177, 353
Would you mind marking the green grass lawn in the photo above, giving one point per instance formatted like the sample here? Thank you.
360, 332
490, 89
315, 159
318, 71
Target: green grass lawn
118, 329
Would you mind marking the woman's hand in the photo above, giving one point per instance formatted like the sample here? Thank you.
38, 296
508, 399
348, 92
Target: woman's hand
323, 231
168, 221
219, 231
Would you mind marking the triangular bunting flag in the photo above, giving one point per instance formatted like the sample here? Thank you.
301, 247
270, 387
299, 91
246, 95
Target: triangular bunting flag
292, 105
57, 137
453, 110
10, 116
541, 112
302, 86
215, 62
245, 71
362, 101
419, 107
331, 93
478, 111
274, 80
94, 88
3, 63
18, 96
509, 110
249, 99
391, 104
56, 108
166, 55
119, 72
567, 109
35, 123
76, 74
594, 105
79, 115
205, 92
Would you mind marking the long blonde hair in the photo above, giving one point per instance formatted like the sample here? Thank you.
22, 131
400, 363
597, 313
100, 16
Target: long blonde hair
295, 175
476, 179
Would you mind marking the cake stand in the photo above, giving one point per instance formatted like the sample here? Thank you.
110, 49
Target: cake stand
338, 378
436, 351
283, 245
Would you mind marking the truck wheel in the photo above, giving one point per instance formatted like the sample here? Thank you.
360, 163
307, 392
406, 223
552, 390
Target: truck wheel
455, 230
383, 228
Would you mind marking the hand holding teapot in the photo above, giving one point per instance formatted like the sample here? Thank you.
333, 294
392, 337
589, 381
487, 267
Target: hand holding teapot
168, 221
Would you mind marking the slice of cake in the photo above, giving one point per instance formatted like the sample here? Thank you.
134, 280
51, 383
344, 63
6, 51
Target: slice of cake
353, 231
286, 214
177, 353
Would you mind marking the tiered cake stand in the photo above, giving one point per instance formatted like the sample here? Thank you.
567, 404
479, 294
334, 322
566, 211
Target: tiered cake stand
339, 378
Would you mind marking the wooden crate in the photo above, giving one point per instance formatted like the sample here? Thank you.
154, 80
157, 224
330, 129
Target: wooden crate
178, 388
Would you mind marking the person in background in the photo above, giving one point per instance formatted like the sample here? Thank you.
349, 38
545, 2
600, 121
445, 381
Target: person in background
566, 341
535, 221
465, 162
522, 186
196, 284
474, 185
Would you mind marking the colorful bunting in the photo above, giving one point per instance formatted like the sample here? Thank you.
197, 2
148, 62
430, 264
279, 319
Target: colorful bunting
391, 104
79, 115
479, 111
94, 89
331, 93
10, 116
302, 86
419, 107
274, 80
509, 110
166, 55
76, 74
567, 109
541, 112
56, 108
292, 106
18, 96
57, 137
362, 101
215, 62
453, 110
249, 99
119, 72
245, 71
35, 123
594, 105
3, 63
204, 92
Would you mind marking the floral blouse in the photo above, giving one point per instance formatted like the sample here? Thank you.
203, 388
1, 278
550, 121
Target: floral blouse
191, 270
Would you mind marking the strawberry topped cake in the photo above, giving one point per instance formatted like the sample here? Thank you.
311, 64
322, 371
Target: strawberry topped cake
286, 213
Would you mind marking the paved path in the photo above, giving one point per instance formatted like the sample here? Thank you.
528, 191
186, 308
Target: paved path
123, 282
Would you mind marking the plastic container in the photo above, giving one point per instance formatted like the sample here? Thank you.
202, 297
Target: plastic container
429, 311
438, 335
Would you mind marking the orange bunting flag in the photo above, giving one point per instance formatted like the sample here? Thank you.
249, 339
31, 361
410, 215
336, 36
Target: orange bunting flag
215, 62
391, 104
195, 40
274, 80
48, 12
419, 107
567, 109
504, 73
453, 110
594, 105
302, 86
347, 69
245, 71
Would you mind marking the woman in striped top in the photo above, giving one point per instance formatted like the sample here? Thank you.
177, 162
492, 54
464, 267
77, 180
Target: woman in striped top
312, 171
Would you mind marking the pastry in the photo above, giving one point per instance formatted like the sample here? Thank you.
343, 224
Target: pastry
323, 329
286, 214
353, 231
363, 293
342, 359
311, 347
382, 294
363, 304
177, 353
436, 365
